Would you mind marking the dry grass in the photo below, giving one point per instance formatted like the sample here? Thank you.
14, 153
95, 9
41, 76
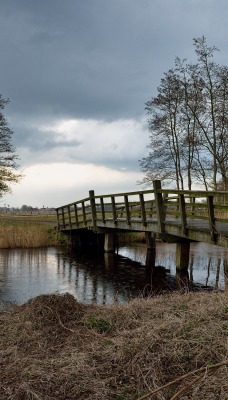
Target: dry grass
23, 235
27, 235
55, 348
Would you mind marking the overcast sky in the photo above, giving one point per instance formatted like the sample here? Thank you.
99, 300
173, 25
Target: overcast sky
78, 74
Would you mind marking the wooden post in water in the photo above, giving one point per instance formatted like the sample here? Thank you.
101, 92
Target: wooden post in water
151, 250
150, 240
109, 242
182, 255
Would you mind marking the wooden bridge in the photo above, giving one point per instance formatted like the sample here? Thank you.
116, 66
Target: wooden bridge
181, 216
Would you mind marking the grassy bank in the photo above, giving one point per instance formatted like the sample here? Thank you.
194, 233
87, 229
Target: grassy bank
54, 348
30, 233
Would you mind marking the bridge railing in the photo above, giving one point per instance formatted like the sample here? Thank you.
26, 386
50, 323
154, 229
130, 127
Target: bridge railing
145, 206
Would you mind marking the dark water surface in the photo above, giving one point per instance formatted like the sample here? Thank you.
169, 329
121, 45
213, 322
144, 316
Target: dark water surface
107, 278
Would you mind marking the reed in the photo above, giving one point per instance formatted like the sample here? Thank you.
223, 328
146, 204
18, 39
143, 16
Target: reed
28, 235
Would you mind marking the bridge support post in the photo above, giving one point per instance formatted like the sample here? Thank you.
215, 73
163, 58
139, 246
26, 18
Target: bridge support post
150, 240
182, 279
182, 255
151, 249
109, 242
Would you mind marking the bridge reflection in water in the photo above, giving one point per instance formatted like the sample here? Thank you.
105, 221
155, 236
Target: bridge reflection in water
109, 277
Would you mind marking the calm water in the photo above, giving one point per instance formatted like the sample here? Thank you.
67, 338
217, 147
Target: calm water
111, 277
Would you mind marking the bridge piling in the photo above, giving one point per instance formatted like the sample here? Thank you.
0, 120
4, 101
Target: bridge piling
151, 250
182, 255
109, 242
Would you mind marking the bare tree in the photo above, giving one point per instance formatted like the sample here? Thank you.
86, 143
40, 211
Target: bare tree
8, 156
188, 122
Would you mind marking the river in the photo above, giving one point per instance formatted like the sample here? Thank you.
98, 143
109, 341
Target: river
25, 273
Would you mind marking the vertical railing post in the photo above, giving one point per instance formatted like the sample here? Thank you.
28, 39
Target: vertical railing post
128, 216
93, 207
114, 210
69, 216
183, 214
142, 206
76, 214
211, 215
84, 213
193, 202
63, 217
57, 211
102, 210
159, 206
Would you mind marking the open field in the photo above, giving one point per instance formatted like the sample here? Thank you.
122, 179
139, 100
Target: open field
175, 345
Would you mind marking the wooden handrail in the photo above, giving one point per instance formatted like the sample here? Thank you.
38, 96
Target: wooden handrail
160, 206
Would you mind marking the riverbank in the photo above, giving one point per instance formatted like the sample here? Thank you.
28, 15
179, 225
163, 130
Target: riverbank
35, 230
55, 348
29, 233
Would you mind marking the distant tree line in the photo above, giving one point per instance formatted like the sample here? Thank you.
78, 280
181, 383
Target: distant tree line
188, 124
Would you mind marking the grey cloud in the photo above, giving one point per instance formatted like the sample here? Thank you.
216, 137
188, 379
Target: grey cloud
93, 60
96, 59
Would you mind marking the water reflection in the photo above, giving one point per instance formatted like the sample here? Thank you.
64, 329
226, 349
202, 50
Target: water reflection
110, 277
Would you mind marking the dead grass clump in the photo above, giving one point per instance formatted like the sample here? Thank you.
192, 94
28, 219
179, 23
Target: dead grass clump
53, 312
55, 348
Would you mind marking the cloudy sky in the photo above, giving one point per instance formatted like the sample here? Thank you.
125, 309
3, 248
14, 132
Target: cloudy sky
78, 74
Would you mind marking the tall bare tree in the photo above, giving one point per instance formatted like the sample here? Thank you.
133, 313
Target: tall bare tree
188, 122
8, 156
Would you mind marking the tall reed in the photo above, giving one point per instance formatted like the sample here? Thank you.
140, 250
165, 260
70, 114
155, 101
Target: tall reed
27, 235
